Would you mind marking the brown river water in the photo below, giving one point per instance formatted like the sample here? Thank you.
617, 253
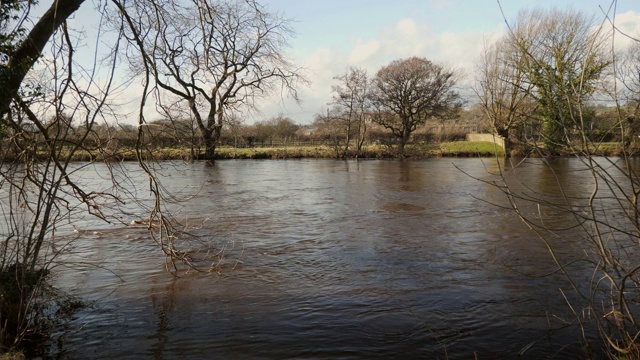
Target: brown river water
324, 259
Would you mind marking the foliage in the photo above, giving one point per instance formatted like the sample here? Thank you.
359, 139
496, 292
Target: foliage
19, 286
20, 52
11, 29
562, 60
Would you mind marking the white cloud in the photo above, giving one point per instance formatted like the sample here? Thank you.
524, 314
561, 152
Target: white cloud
363, 51
408, 38
441, 4
628, 25
320, 68
407, 26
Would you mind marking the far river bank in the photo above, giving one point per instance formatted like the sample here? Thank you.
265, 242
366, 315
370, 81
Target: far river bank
459, 149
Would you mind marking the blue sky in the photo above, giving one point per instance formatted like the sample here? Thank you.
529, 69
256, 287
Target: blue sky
337, 23
335, 34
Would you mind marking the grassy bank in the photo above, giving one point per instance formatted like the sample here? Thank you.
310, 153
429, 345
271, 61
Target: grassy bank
413, 151
417, 151
452, 149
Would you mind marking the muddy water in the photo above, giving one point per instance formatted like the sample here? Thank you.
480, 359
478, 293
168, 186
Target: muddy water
323, 259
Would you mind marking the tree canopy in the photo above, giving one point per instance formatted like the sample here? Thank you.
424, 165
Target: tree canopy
408, 92
559, 60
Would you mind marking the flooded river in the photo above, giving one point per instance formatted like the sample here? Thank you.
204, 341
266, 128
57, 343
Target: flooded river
323, 259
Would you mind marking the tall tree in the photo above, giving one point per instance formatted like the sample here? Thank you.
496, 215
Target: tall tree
502, 89
408, 92
562, 61
18, 54
38, 187
217, 56
350, 109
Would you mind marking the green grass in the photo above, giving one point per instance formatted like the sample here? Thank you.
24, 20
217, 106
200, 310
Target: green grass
297, 152
607, 148
471, 149
414, 151
453, 149
373, 151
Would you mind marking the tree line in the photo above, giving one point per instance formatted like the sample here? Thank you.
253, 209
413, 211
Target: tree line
276, 131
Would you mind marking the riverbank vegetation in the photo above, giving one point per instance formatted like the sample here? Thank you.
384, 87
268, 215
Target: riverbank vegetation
281, 137
419, 151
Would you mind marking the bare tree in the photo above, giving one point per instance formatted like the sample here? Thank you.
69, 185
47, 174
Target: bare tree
217, 56
180, 121
502, 89
629, 75
330, 126
406, 93
39, 191
350, 110
629, 72
282, 128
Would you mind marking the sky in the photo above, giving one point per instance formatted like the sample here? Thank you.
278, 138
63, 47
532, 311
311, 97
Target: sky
332, 35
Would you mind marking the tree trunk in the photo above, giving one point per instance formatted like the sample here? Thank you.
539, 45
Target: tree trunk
401, 148
211, 140
404, 139
209, 146
29, 51
346, 144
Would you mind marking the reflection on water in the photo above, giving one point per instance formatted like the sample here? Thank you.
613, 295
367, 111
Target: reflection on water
330, 259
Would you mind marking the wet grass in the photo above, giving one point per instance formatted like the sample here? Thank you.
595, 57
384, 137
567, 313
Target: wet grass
451, 149
471, 149
412, 151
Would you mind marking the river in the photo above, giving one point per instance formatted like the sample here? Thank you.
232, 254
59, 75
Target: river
323, 259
